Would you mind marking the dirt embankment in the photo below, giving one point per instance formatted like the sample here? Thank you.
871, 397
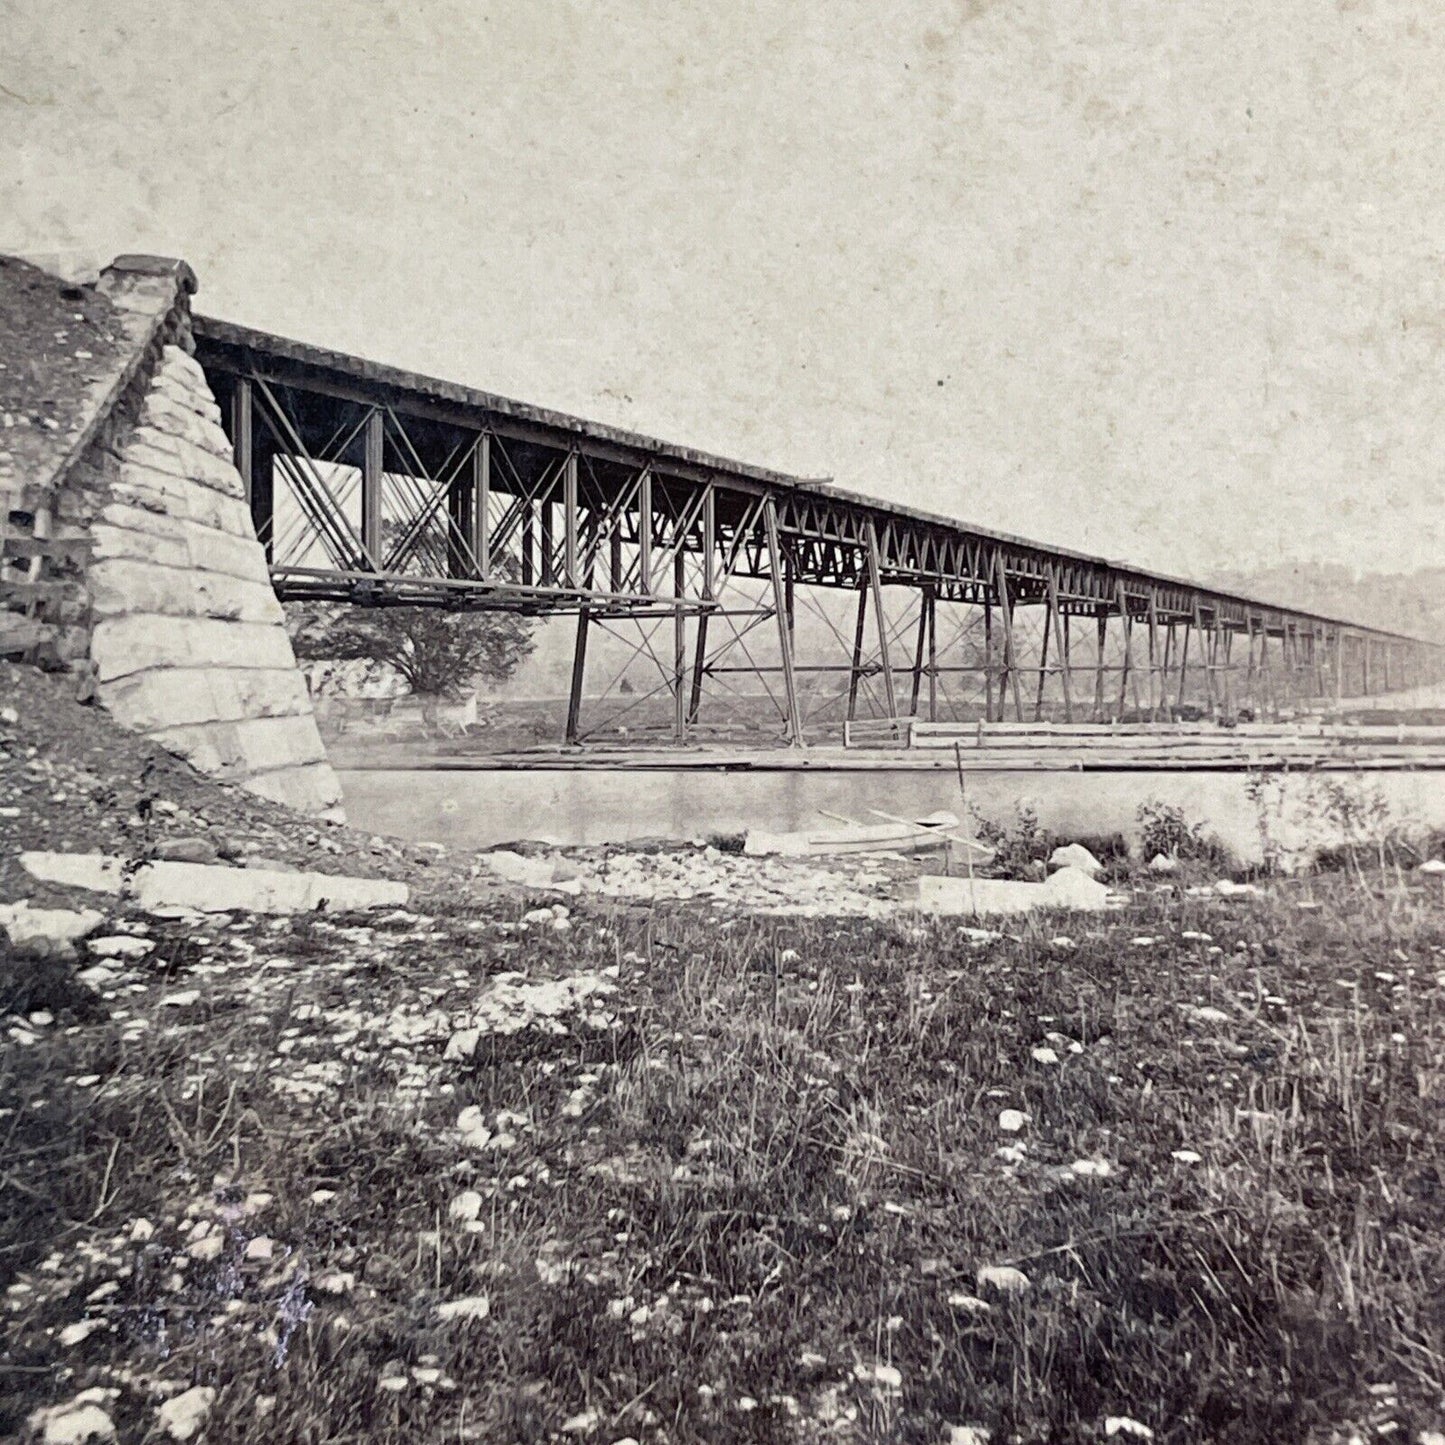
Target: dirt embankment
72, 781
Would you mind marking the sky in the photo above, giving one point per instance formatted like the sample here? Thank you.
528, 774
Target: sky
1151, 279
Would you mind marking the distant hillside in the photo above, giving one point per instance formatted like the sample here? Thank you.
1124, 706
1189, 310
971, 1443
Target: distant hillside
1402, 601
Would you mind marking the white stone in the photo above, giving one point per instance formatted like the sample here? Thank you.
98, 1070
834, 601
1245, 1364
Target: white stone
123, 530
120, 946
474, 1307
183, 1416
1163, 863
1004, 1278
529, 872
1075, 855
79, 1421
1068, 888
80, 1331
47, 930
1123, 1425
162, 411
207, 888
466, 1207
97, 872
252, 890
1432, 866
180, 392
1012, 1120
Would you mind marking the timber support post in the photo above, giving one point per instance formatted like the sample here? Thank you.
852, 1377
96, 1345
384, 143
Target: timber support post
875, 586
780, 612
579, 667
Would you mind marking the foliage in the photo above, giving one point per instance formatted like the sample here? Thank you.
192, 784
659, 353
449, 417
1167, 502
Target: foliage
437, 652
1163, 829
1021, 848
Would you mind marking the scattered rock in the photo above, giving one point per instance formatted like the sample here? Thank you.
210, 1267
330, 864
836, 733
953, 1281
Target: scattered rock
1123, 1425
120, 946
184, 1416
1004, 1278
47, 932
1163, 863
473, 1307
77, 1422
1075, 855
1012, 1120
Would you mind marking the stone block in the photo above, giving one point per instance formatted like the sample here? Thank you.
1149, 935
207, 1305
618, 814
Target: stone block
122, 585
237, 556
196, 399
239, 749
178, 420
218, 511
208, 888
180, 365
123, 645
125, 531
254, 890
166, 452
310, 788
179, 696
163, 697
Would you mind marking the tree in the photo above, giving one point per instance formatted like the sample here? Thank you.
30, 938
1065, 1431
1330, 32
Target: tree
436, 652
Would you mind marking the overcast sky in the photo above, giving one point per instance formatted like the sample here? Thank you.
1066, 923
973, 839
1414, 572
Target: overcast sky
1157, 279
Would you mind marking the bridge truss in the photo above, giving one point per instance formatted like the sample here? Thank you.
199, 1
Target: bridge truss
758, 605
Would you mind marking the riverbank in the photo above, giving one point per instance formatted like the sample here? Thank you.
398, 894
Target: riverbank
649, 1172
512, 1164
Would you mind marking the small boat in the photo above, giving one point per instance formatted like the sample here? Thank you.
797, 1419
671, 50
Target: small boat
896, 835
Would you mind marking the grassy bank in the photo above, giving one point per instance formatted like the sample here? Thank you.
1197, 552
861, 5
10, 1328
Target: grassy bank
748, 1181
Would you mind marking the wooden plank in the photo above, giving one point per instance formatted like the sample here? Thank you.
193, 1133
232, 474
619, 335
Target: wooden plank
75, 549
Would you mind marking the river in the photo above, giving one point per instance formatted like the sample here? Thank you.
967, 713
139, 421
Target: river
486, 806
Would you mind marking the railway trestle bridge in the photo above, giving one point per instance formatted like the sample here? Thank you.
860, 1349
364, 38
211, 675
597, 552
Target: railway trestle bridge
761, 605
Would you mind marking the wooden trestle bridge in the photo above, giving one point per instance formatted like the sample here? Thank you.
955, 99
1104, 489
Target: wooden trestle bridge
376, 487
